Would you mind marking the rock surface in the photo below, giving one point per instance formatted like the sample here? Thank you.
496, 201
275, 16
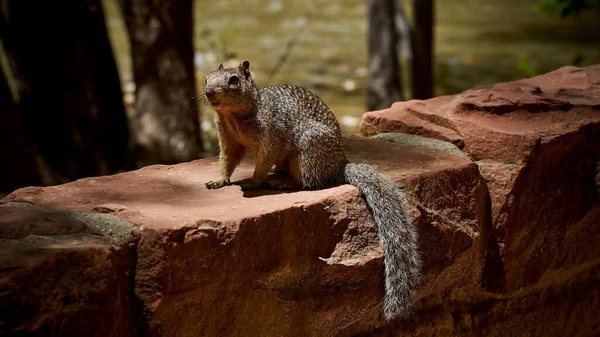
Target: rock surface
65, 273
502, 182
305, 263
537, 143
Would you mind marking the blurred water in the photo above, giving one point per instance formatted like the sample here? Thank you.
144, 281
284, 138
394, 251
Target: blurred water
476, 42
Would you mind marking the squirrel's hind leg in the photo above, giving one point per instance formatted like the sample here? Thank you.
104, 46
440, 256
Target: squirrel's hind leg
320, 155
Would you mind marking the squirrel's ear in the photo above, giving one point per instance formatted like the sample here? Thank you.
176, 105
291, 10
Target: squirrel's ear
245, 68
220, 65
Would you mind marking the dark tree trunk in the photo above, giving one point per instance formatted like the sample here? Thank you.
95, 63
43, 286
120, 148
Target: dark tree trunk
422, 47
402, 30
18, 161
404, 46
166, 127
71, 105
384, 72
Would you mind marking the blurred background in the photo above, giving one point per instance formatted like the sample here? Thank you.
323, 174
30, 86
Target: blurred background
99, 87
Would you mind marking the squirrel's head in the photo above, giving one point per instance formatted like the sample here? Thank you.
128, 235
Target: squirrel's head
230, 90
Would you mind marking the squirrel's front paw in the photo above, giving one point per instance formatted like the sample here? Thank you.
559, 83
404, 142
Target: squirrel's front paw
217, 183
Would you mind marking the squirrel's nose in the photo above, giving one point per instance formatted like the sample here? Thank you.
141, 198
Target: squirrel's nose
209, 92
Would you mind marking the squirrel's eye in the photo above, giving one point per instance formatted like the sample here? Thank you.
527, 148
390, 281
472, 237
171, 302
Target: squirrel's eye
234, 80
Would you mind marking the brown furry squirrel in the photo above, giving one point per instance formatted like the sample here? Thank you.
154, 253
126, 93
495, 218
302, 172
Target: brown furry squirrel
289, 127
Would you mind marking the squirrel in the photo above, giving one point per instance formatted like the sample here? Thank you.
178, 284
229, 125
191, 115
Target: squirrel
289, 128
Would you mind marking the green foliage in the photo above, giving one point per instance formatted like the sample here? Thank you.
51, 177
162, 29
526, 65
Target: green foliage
577, 59
528, 70
526, 67
567, 8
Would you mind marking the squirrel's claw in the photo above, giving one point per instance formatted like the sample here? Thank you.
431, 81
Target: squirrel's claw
217, 183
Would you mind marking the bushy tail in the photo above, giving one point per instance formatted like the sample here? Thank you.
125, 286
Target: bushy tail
397, 235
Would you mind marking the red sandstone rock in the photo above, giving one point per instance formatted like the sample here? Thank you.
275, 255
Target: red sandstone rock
537, 143
65, 274
308, 263
502, 121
